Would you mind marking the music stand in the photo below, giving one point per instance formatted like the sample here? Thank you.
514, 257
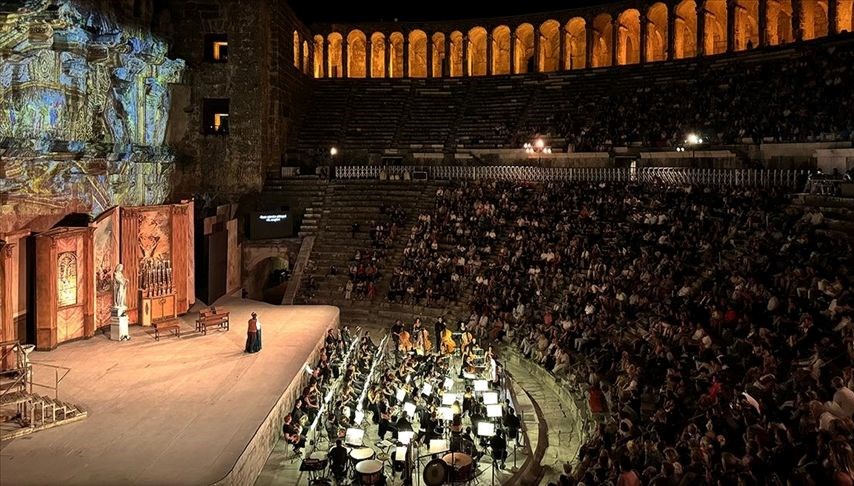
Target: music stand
359, 416
401, 394
490, 398
427, 389
446, 413
494, 411
409, 408
405, 436
437, 446
449, 383
449, 398
354, 437
487, 429
481, 385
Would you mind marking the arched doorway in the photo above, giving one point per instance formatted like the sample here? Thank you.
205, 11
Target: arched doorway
685, 40
814, 18
628, 40
501, 50
715, 25
378, 48
476, 61
356, 52
417, 54
746, 24
549, 60
456, 63
779, 19
576, 43
438, 42
318, 56
266, 281
602, 40
395, 45
306, 57
336, 64
656, 33
524, 49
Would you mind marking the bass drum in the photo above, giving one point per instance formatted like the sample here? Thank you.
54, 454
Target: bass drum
435, 473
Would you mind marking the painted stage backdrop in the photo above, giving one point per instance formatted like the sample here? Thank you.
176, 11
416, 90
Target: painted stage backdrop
84, 105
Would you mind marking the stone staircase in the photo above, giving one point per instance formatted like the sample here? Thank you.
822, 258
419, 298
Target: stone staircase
23, 412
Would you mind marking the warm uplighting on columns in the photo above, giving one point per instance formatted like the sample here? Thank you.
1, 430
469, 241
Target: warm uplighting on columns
333, 151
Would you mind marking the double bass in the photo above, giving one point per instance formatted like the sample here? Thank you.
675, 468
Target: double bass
448, 343
405, 345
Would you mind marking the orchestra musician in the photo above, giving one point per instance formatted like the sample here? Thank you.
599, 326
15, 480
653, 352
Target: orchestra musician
338, 460
466, 341
293, 433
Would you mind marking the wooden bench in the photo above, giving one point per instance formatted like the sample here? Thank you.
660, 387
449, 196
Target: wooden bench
209, 318
163, 326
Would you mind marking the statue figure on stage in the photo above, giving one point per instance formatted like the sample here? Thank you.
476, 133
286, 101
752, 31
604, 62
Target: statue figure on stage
120, 284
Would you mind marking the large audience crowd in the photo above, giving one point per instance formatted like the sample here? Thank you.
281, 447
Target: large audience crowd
803, 98
710, 328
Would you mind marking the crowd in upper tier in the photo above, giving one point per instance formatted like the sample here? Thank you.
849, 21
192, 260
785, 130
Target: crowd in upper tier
807, 98
710, 328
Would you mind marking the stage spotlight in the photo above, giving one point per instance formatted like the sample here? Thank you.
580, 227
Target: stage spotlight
333, 151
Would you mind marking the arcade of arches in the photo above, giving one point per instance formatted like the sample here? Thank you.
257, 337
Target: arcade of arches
661, 31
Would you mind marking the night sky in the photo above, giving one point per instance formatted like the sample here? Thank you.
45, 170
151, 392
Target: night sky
408, 10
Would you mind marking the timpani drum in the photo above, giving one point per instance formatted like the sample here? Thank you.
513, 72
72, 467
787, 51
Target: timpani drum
461, 465
360, 454
369, 472
435, 472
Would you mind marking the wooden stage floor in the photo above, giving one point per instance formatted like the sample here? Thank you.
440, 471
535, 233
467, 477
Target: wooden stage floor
174, 412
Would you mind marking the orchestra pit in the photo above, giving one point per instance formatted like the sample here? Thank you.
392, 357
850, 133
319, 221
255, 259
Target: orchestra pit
261, 242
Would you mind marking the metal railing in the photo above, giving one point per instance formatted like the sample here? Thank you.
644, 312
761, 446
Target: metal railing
644, 175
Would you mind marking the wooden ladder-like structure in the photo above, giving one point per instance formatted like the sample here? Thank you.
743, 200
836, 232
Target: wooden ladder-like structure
23, 412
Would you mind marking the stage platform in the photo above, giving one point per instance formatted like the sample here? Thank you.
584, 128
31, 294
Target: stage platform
194, 410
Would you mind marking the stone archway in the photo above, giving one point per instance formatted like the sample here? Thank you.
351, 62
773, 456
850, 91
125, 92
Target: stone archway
476, 61
501, 50
628, 40
378, 48
549, 60
523, 51
356, 54
417, 54
602, 40
685, 38
576, 43
656, 33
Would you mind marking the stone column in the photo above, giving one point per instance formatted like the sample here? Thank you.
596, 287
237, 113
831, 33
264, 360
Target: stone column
513, 63
615, 37
369, 58
731, 8
538, 41
701, 29
763, 23
490, 54
644, 34
832, 14
588, 45
428, 55
671, 33
561, 66
406, 73
345, 58
796, 20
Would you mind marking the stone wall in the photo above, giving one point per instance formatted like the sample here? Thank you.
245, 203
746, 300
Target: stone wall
266, 93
